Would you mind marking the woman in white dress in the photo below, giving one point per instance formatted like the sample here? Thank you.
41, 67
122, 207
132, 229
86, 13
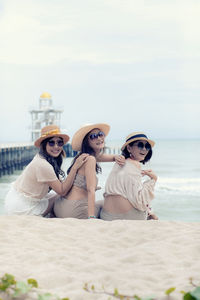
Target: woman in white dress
31, 193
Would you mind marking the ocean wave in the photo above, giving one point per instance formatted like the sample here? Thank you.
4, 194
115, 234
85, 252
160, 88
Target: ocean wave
189, 186
178, 180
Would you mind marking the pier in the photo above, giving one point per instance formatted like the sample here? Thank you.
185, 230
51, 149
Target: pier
17, 156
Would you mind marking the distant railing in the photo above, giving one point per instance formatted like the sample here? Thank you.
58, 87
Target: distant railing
107, 150
112, 150
17, 156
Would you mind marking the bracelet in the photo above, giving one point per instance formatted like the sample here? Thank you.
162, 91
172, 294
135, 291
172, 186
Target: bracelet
92, 217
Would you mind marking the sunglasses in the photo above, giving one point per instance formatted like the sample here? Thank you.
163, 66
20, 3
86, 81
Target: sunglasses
52, 143
141, 145
94, 136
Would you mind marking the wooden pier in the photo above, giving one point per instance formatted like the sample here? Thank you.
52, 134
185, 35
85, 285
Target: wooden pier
17, 156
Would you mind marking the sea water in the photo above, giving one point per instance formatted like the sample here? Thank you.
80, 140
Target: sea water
177, 191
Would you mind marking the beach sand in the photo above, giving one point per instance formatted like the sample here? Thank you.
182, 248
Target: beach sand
136, 257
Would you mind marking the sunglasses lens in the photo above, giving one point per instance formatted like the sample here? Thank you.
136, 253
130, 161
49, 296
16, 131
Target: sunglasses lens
96, 135
101, 134
148, 146
93, 136
51, 143
60, 143
141, 145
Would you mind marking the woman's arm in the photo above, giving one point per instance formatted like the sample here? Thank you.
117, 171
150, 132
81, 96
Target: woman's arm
149, 173
140, 194
119, 159
62, 188
90, 174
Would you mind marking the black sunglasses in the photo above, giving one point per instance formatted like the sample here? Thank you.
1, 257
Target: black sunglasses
141, 145
52, 143
94, 136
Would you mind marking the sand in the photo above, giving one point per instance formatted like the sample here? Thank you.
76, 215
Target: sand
137, 257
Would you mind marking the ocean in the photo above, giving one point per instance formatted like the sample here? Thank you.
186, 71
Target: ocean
177, 191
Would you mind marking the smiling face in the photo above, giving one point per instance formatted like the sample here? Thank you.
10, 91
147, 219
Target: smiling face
139, 150
96, 140
54, 146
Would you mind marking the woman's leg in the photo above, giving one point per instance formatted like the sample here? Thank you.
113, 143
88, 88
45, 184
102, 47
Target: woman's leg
50, 207
98, 208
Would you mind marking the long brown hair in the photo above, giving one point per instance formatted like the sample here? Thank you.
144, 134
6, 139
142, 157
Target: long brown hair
56, 162
86, 148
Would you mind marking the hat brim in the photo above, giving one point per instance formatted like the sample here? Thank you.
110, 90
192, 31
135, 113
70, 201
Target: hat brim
152, 143
83, 131
65, 138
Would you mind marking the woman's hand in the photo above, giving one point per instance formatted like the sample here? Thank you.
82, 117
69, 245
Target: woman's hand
152, 217
149, 173
120, 160
80, 161
62, 188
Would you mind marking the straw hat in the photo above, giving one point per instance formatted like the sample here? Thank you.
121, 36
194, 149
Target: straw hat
84, 130
137, 136
51, 131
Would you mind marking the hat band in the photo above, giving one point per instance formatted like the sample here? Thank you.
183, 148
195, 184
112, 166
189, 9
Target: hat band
55, 131
136, 136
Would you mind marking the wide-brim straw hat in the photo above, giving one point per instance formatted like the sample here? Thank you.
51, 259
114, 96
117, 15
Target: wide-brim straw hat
137, 136
78, 137
51, 131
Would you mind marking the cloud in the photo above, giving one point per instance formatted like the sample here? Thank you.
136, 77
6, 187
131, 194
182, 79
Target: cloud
46, 32
132, 64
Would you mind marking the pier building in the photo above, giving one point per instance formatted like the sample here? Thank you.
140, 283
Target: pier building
45, 115
17, 156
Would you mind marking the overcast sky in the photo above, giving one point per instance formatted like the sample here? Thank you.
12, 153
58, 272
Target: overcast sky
133, 64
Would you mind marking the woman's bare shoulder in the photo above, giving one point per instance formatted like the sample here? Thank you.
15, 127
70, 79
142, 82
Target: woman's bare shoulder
91, 159
90, 163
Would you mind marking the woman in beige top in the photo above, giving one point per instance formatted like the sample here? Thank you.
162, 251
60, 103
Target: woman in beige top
126, 196
80, 201
31, 193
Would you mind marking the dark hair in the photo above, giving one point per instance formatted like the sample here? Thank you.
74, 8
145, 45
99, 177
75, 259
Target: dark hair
85, 148
126, 154
56, 162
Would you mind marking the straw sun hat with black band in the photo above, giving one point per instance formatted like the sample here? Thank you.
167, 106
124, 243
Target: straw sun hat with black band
137, 136
84, 130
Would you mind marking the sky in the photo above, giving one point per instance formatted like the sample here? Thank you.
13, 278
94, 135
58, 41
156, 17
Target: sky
134, 64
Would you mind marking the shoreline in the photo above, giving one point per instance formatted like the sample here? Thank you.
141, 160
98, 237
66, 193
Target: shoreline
136, 257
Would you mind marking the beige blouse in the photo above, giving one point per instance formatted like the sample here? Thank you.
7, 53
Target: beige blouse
127, 182
33, 180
